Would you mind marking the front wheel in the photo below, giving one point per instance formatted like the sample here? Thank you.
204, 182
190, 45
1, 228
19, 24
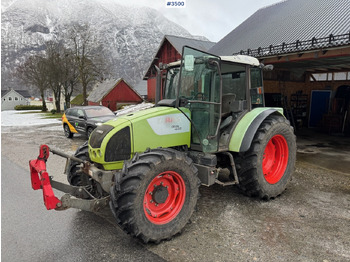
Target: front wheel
155, 195
266, 168
89, 131
77, 178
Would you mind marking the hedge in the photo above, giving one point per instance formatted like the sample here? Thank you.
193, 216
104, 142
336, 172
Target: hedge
28, 107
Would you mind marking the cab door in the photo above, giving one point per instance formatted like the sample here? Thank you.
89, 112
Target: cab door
200, 87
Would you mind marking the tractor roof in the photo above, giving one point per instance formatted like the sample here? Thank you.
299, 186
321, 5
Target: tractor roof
241, 59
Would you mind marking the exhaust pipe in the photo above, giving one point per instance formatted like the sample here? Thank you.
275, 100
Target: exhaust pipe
158, 85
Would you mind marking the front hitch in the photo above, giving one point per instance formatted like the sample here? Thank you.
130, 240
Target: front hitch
76, 196
41, 180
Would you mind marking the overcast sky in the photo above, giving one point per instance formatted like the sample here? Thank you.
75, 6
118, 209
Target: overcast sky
213, 19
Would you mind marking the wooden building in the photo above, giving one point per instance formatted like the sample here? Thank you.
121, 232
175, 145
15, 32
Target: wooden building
170, 50
113, 94
308, 43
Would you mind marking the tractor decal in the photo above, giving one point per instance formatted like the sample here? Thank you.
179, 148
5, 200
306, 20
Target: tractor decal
169, 124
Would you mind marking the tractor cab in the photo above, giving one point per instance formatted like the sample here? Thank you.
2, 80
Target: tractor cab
218, 91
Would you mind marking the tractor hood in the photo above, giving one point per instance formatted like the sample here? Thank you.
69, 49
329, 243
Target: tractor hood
118, 140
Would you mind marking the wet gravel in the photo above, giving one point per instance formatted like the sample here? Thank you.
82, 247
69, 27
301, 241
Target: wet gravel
310, 221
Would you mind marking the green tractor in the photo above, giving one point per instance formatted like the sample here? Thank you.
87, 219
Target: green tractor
208, 126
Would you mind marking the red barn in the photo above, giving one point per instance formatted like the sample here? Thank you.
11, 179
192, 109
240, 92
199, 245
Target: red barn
169, 51
113, 94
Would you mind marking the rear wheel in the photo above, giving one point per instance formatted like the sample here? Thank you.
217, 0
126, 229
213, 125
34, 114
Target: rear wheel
266, 168
155, 195
67, 131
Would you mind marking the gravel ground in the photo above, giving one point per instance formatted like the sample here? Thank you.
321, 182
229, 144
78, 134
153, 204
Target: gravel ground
310, 221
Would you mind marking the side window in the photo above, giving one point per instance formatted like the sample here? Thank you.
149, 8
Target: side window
16, 98
73, 112
10, 98
256, 90
80, 113
234, 80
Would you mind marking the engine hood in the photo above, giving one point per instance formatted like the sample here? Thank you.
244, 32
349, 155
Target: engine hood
149, 128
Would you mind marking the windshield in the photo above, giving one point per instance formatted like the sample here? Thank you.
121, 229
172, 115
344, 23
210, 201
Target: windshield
200, 83
98, 111
172, 81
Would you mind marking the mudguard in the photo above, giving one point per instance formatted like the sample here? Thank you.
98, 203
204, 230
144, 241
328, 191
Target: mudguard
245, 130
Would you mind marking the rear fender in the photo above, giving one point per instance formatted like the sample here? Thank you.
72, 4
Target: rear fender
245, 130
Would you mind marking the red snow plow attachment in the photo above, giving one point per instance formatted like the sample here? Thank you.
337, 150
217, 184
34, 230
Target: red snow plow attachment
41, 180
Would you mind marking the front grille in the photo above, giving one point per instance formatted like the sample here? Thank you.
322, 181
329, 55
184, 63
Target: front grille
119, 146
98, 135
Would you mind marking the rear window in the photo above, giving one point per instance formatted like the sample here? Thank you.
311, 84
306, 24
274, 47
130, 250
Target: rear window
98, 111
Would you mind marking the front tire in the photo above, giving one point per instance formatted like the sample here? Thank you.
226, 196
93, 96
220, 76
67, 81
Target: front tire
89, 131
266, 168
78, 178
155, 195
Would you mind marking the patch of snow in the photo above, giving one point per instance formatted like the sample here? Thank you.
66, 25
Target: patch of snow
16, 118
133, 108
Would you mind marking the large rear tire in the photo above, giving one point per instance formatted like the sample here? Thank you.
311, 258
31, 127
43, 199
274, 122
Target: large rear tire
266, 168
155, 195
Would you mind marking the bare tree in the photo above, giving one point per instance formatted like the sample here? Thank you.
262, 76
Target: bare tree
62, 71
54, 70
88, 56
33, 72
70, 75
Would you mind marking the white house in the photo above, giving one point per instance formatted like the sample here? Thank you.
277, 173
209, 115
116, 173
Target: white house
12, 98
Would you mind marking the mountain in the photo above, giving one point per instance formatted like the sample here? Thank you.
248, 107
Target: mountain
131, 35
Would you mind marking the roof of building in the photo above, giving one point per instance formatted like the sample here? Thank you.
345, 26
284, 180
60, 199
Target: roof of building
78, 100
101, 89
178, 42
141, 88
299, 23
23, 93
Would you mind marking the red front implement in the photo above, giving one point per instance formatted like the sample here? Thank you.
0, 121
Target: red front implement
41, 180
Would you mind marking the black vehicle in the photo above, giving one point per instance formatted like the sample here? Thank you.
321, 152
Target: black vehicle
84, 119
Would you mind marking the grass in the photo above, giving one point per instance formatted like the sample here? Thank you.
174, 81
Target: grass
47, 115
50, 115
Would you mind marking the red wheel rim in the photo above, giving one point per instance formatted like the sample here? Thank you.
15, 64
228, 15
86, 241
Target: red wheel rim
164, 197
275, 159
